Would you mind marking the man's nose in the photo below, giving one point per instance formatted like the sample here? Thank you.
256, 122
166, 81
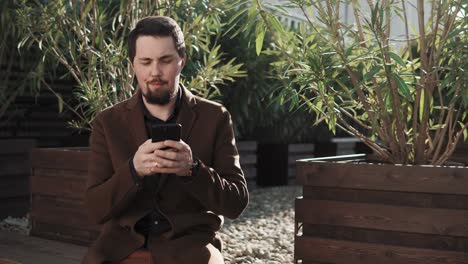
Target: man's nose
155, 69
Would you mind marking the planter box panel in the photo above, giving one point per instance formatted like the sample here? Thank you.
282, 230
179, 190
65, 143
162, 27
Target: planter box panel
66, 159
60, 174
58, 183
392, 178
247, 146
63, 233
248, 159
346, 252
383, 217
65, 187
314, 262
56, 210
414, 240
369, 213
425, 200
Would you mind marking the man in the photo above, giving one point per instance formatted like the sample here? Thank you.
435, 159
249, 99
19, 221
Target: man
167, 197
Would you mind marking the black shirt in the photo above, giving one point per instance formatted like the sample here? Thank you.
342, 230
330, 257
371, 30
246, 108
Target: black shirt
154, 222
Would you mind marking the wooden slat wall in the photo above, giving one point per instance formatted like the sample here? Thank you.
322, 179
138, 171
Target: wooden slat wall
345, 145
38, 117
452, 180
58, 183
383, 217
248, 158
381, 214
333, 251
15, 168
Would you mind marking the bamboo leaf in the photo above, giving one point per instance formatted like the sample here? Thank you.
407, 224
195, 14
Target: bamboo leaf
253, 10
396, 58
438, 126
276, 24
455, 33
403, 87
60, 103
259, 41
465, 134
86, 10
374, 70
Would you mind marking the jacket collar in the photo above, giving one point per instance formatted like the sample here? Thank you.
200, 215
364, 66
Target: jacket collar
186, 116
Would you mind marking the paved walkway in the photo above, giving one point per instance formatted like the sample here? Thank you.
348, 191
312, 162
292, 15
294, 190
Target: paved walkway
33, 250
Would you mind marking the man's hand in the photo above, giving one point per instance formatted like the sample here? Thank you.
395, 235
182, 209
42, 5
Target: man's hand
176, 159
150, 158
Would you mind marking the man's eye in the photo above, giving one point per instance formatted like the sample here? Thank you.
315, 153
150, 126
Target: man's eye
166, 61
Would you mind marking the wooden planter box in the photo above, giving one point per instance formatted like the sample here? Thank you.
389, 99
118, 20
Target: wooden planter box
58, 182
15, 168
368, 213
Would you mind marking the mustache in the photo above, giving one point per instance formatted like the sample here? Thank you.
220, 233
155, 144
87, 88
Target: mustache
156, 80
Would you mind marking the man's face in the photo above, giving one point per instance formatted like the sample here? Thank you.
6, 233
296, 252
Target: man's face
157, 67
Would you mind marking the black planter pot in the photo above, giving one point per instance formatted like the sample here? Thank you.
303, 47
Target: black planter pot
78, 139
272, 164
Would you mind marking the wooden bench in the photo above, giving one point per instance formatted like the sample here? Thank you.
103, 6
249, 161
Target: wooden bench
137, 257
6, 261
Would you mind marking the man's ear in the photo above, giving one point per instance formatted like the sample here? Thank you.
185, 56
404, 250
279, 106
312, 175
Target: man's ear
184, 60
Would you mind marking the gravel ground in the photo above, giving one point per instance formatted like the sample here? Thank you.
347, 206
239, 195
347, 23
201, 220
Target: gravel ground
264, 233
19, 225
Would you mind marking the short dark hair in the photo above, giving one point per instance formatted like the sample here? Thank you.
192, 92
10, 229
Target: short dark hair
157, 26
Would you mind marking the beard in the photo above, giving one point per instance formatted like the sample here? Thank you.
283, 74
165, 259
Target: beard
161, 96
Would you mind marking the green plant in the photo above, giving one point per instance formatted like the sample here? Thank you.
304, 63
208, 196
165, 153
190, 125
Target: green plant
256, 111
16, 68
408, 108
89, 40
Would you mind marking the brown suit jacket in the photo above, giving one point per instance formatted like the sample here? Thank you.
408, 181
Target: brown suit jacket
192, 207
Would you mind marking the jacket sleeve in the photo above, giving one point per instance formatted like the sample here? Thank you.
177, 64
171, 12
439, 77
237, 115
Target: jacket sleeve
109, 189
221, 188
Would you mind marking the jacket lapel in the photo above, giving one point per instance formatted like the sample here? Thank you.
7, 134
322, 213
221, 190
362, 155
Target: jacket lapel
187, 115
135, 120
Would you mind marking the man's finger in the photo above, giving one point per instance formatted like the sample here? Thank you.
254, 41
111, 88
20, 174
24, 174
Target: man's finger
179, 145
149, 147
167, 154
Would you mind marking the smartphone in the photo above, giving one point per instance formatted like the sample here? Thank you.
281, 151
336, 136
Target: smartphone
165, 132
